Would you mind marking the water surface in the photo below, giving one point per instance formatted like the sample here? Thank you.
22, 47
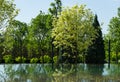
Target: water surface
61, 73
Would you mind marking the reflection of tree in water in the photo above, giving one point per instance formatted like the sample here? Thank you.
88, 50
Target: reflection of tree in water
95, 69
65, 68
65, 73
79, 73
114, 70
37, 72
24, 72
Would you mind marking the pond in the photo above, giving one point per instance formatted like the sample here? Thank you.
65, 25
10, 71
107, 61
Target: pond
61, 73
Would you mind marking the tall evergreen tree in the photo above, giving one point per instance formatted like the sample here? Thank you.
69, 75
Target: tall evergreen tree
95, 52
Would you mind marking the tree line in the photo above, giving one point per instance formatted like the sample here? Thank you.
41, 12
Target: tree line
64, 35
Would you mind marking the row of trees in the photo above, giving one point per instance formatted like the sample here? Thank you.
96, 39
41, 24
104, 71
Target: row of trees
114, 36
71, 34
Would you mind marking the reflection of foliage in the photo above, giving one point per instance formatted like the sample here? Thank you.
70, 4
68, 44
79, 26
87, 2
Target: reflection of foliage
3, 76
114, 70
96, 69
68, 73
22, 72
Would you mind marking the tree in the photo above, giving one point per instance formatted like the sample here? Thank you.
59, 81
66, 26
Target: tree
73, 31
95, 52
57, 8
38, 43
114, 33
1, 46
106, 46
7, 13
55, 11
15, 38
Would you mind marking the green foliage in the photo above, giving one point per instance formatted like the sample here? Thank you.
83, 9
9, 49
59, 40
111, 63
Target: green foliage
119, 61
34, 60
70, 28
7, 12
113, 56
45, 59
80, 58
95, 52
106, 38
42, 59
114, 35
1, 45
55, 59
8, 59
15, 38
56, 8
38, 34
20, 39
20, 60
114, 32
54, 11
73, 30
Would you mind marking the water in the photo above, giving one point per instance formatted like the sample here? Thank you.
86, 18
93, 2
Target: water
62, 73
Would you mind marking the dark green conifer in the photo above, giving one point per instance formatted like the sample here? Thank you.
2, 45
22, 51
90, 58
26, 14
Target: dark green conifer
95, 52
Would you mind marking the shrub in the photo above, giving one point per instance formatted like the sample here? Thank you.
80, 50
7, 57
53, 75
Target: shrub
47, 59
8, 59
41, 59
119, 61
55, 58
34, 60
20, 60
80, 58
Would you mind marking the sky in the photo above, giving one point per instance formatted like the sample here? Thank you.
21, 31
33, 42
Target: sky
105, 9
